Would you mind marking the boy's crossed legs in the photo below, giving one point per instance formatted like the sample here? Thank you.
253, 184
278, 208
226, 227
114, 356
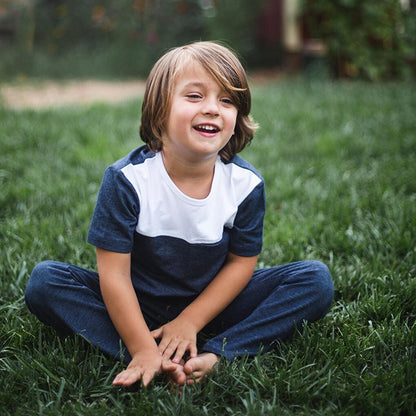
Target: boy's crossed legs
269, 308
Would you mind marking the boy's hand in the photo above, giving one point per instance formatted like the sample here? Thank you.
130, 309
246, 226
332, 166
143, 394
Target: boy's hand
177, 337
143, 366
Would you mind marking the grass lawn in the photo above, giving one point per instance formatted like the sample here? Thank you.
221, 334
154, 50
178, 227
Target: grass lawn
339, 160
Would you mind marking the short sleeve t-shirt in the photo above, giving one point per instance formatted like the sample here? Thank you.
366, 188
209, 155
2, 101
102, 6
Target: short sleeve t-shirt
178, 244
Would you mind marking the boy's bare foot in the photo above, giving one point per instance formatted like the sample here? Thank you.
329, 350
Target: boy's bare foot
198, 367
174, 372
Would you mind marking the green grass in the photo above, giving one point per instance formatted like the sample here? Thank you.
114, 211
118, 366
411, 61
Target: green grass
339, 161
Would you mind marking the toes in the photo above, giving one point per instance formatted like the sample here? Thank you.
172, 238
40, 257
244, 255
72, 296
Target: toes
187, 368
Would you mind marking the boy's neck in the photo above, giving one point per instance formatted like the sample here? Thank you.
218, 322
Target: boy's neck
193, 179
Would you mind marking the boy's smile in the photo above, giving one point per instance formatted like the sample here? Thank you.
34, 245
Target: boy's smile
201, 119
207, 128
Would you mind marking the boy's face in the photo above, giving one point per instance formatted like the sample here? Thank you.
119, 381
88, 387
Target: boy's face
202, 116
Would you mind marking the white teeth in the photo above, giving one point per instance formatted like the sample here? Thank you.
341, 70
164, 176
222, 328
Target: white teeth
207, 128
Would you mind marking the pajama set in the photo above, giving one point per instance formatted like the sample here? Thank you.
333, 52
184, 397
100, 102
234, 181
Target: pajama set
178, 245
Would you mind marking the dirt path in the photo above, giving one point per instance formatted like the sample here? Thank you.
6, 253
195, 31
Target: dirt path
52, 94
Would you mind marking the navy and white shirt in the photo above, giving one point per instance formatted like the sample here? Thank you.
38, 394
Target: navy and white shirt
178, 244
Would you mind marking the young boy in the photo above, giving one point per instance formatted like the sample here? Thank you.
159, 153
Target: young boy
177, 228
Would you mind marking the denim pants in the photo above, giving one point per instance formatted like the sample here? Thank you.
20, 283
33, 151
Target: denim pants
275, 302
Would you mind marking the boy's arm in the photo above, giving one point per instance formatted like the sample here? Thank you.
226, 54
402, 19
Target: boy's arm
179, 335
123, 307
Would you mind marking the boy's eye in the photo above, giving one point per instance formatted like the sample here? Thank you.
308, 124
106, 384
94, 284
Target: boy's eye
227, 101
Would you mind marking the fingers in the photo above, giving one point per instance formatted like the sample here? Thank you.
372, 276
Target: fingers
156, 333
142, 368
127, 377
182, 348
176, 339
147, 377
177, 349
168, 366
168, 347
180, 351
193, 351
174, 372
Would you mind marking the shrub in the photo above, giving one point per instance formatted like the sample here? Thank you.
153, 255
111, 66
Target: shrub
372, 39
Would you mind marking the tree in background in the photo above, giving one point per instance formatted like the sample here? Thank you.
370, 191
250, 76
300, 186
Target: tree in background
132, 33
372, 39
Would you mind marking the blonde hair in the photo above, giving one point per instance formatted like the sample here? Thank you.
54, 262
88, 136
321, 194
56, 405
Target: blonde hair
223, 66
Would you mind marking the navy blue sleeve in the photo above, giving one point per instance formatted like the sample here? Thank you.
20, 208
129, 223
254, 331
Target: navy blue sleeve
115, 215
246, 236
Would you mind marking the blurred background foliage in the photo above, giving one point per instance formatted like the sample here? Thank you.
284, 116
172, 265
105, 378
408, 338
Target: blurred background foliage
116, 38
372, 39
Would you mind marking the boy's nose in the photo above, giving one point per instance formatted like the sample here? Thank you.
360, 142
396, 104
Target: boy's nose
211, 107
